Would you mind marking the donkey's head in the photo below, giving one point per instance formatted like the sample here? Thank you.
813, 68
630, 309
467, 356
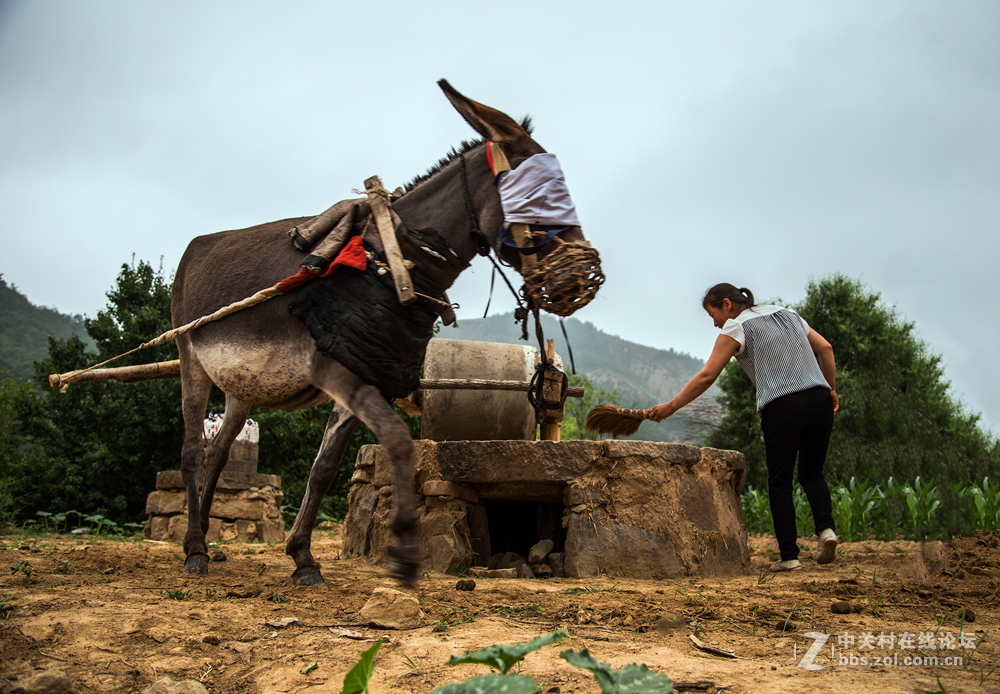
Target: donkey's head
540, 223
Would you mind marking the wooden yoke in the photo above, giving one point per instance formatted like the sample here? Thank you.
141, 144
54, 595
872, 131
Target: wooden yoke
521, 233
377, 198
550, 429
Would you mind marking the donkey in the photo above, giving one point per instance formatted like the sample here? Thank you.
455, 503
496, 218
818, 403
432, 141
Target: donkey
280, 355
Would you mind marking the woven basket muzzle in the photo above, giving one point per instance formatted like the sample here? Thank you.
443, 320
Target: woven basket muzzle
565, 280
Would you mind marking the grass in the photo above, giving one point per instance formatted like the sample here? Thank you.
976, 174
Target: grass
532, 610
440, 626
179, 594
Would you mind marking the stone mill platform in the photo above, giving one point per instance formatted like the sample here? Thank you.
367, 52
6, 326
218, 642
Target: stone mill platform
617, 508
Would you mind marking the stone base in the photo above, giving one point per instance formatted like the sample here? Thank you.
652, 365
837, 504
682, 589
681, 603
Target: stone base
246, 507
617, 508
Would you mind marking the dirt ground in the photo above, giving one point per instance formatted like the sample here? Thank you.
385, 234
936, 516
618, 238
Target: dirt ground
117, 615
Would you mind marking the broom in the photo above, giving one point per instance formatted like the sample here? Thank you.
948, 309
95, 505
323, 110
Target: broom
614, 420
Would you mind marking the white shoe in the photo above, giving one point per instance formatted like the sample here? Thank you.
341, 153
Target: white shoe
790, 565
827, 552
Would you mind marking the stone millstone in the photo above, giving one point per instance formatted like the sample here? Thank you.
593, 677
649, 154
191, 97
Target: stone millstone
392, 609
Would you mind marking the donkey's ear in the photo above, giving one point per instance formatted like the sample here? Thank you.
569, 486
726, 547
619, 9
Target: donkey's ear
490, 123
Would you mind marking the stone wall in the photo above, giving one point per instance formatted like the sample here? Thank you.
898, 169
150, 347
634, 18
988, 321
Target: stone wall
629, 508
246, 506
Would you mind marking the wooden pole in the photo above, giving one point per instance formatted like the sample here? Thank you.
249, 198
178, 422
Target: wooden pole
550, 429
387, 232
125, 374
172, 369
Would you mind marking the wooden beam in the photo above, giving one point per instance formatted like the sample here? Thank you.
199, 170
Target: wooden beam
485, 384
387, 232
125, 374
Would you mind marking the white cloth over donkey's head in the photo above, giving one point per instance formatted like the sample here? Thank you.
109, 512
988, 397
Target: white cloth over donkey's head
536, 193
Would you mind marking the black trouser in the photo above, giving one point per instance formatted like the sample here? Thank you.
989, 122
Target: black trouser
797, 424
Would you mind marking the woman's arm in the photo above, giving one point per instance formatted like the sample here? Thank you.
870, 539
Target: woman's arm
725, 348
827, 363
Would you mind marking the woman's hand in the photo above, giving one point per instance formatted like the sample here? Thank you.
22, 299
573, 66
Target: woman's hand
836, 401
660, 412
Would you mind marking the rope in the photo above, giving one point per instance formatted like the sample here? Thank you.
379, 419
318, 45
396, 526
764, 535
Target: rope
536, 389
174, 333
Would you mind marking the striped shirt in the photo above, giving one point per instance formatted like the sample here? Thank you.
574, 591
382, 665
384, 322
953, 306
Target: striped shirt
774, 351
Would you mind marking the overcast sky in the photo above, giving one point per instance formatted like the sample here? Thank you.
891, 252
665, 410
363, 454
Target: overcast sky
760, 143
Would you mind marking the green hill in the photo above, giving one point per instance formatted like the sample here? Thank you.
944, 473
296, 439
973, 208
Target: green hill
25, 331
642, 376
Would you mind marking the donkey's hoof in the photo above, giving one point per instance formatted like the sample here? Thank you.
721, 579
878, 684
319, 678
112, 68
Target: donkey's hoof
406, 572
196, 564
308, 576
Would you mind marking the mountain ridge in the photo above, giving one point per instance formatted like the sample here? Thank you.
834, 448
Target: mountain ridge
25, 330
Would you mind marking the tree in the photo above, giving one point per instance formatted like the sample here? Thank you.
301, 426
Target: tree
897, 416
97, 447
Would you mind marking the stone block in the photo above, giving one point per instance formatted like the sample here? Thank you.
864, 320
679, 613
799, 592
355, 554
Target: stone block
673, 453
228, 481
555, 561
362, 499
444, 537
246, 531
444, 488
491, 462
271, 531
541, 550
392, 609
177, 527
158, 528
598, 545
227, 532
734, 460
237, 508
164, 503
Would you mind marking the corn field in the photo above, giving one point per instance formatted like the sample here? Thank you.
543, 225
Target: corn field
916, 510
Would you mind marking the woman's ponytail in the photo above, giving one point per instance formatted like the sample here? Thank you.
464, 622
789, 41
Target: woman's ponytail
739, 296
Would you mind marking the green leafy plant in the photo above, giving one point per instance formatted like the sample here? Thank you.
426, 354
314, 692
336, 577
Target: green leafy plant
440, 626
985, 505
532, 610
357, 678
179, 594
756, 511
503, 658
632, 679
922, 500
853, 506
23, 567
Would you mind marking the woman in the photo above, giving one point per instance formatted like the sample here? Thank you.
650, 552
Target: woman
796, 399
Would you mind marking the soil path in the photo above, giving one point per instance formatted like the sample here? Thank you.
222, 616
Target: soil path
116, 615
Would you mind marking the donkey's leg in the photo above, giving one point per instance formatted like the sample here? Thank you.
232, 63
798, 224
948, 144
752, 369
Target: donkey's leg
368, 405
324, 471
236, 416
195, 389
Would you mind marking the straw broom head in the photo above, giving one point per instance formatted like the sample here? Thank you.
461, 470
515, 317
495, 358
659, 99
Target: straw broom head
614, 420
